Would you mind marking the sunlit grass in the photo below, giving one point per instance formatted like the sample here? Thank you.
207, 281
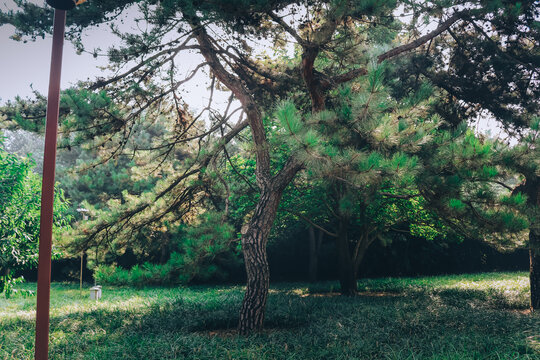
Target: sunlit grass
478, 316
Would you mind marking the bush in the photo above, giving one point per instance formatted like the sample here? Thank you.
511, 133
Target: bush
203, 244
20, 195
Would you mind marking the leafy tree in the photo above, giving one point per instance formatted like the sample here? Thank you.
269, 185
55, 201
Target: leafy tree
225, 34
20, 197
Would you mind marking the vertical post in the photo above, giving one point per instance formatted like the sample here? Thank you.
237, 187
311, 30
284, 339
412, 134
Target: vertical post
47, 190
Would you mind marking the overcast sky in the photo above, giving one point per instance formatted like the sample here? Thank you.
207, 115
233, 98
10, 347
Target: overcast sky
24, 66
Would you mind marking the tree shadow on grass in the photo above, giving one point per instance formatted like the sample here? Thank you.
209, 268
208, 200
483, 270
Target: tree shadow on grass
368, 325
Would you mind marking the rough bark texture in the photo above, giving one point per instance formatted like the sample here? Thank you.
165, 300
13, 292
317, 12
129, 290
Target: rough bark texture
312, 83
256, 262
254, 242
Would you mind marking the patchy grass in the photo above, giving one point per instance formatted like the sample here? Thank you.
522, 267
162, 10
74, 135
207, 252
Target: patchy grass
480, 316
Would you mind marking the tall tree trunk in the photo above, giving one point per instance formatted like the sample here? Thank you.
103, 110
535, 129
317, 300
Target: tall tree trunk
531, 187
533, 194
347, 279
165, 252
254, 242
534, 257
362, 247
314, 249
347, 269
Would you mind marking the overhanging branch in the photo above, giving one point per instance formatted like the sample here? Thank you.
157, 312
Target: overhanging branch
423, 39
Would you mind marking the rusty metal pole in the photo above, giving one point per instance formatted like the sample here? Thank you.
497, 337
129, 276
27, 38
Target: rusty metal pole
47, 190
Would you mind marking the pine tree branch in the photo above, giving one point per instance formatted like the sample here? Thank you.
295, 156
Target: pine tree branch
287, 28
423, 39
397, 196
329, 83
175, 50
501, 51
126, 216
236, 86
306, 219
287, 173
495, 182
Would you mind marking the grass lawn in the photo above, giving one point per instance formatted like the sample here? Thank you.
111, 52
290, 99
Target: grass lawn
480, 316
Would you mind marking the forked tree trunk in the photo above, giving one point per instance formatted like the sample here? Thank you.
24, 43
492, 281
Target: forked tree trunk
258, 275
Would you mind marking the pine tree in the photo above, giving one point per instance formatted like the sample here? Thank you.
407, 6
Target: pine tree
524, 158
224, 33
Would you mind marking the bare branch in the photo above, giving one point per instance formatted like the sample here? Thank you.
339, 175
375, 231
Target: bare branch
306, 219
102, 83
234, 84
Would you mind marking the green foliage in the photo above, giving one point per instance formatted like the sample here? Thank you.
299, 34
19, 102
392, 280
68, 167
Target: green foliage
362, 156
20, 199
464, 180
9, 283
201, 248
373, 146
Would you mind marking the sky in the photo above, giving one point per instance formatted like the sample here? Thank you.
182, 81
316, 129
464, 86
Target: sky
25, 66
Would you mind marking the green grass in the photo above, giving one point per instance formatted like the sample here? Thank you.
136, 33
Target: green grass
481, 316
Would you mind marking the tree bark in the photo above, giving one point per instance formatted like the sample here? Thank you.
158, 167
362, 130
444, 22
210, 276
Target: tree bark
314, 249
534, 274
165, 252
347, 280
531, 187
534, 241
347, 268
258, 275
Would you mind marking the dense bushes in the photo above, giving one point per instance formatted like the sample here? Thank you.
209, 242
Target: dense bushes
20, 195
204, 249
